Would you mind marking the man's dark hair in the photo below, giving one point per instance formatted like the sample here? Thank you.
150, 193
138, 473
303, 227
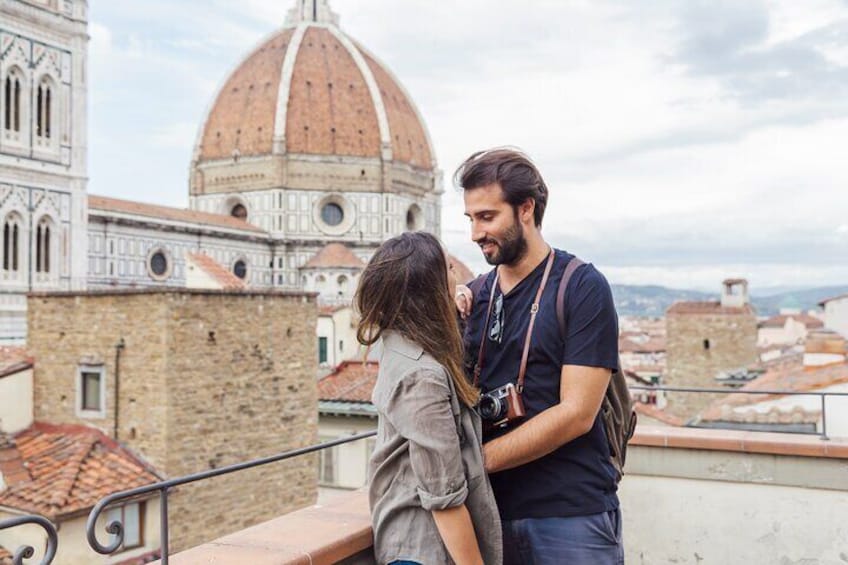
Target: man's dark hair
516, 174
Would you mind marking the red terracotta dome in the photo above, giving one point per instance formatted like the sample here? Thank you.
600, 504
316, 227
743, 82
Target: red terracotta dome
311, 90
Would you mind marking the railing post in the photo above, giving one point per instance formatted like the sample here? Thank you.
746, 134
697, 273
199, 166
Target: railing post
163, 526
823, 396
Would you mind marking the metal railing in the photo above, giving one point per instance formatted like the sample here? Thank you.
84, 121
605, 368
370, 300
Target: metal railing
27, 551
116, 529
821, 394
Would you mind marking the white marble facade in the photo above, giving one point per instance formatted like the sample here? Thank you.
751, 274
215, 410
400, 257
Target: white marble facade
43, 174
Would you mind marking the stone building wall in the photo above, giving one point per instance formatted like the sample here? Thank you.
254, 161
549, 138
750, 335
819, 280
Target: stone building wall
732, 344
207, 379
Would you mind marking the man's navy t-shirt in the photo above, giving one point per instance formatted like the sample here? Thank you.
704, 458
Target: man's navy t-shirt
578, 478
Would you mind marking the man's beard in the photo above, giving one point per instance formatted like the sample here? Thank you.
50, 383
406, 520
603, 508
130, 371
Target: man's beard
511, 248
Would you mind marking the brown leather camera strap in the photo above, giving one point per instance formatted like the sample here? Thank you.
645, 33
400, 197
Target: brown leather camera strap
534, 309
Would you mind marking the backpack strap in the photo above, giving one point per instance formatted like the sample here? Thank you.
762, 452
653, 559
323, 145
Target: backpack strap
573, 264
477, 284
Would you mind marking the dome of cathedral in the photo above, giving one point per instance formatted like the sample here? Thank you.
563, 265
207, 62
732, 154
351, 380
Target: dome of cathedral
311, 92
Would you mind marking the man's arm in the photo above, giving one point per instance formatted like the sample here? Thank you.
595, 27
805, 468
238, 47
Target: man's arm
582, 391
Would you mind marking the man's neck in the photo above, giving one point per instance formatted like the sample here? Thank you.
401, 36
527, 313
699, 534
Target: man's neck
537, 251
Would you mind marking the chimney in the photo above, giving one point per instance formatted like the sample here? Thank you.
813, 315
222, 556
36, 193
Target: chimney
734, 293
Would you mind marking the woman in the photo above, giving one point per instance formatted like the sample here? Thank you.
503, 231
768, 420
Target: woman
430, 498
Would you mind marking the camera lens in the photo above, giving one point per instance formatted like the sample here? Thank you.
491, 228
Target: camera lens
492, 408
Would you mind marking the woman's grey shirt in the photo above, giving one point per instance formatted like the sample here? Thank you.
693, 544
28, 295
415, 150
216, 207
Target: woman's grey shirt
428, 456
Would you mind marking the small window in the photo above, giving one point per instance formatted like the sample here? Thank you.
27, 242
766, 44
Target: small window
342, 281
239, 211
322, 350
131, 516
240, 269
91, 391
341, 345
332, 214
706, 345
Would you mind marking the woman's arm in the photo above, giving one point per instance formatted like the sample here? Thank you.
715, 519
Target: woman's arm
420, 409
457, 533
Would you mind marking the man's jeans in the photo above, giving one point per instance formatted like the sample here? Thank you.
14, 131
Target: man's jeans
577, 540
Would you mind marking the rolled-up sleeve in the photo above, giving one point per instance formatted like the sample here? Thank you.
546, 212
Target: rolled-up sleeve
420, 410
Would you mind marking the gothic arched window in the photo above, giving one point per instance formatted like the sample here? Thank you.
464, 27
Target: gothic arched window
11, 243
12, 98
43, 109
42, 246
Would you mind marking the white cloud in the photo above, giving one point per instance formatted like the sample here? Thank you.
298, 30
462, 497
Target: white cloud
664, 168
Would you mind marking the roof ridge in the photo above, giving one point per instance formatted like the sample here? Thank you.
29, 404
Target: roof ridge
73, 468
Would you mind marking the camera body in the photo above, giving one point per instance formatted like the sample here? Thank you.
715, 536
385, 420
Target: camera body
501, 407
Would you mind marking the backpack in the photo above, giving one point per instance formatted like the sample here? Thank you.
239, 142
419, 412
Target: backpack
617, 413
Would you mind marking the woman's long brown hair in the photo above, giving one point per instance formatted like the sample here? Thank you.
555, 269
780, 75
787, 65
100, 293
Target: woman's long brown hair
405, 288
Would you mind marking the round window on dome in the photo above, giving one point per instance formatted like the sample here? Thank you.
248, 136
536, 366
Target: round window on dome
332, 214
240, 269
158, 265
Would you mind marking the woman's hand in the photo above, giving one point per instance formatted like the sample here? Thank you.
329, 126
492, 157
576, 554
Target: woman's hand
464, 300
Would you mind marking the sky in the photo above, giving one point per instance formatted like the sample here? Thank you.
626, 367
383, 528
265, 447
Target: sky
682, 142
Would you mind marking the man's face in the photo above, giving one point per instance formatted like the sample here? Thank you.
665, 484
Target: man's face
494, 225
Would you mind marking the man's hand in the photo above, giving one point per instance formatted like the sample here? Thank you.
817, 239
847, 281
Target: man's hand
582, 391
464, 300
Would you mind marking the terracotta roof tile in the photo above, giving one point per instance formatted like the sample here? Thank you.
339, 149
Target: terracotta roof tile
653, 345
330, 110
330, 309
242, 117
222, 276
352, 381
774, 415
651, 411
790, 379
811, 322
14, 359
707, 307
70, 468
107, 204
334, 255
409, 140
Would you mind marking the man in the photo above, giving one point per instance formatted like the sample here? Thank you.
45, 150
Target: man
551, 472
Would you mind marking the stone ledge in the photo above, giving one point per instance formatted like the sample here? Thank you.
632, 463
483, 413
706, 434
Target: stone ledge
172, 290
741, 441
316, 535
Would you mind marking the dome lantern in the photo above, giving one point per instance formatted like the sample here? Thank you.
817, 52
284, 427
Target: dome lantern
317, 11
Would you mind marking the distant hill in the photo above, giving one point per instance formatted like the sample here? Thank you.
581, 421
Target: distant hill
805, 299
651, 300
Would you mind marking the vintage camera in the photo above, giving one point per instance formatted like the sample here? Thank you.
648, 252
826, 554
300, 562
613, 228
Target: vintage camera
501, 407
